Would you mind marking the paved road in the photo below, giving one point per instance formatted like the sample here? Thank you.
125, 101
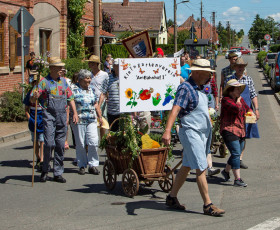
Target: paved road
84, 203
245, 42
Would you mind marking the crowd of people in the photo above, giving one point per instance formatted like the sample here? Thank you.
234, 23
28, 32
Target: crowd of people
92, 95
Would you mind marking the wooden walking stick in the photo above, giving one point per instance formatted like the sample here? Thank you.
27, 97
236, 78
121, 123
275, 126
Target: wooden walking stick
35, 130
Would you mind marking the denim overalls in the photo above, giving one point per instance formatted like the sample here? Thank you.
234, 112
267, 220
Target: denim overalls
195, 135
55, 127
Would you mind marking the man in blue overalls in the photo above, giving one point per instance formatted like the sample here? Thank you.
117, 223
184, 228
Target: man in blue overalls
54, 93
191, 104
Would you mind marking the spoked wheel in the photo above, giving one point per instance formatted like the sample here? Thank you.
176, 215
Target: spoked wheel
130, 182
167, 183
148, 183
109, 175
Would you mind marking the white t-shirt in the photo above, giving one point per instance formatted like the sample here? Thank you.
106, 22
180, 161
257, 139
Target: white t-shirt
99, 83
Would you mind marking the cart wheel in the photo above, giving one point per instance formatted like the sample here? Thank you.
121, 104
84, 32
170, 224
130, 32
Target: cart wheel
167, 183
109, 175
130, 182
148, 183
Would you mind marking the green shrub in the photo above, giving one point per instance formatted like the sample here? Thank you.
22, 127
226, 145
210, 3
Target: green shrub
74, 65
11, 108
117, 51
267, 70
260, 58
275, 48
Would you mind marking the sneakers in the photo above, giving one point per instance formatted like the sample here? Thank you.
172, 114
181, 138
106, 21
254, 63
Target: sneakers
172, 202
239, 183
212, 210
212, 171
226, 175
82, 171
44, 177
59, 179
242, 165
93, 170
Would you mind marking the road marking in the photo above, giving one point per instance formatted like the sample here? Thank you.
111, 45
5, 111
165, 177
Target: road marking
270, 224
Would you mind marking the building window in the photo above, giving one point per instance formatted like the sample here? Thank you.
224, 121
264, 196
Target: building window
163, 41
2, 19
44, 41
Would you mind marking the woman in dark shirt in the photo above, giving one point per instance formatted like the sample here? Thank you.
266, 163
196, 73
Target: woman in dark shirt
233, 110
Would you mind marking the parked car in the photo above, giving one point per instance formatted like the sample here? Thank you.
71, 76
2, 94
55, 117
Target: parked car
233, 51
275, 78
269, 59
245, 51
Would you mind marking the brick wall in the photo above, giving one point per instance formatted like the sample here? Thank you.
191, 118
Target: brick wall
10, 78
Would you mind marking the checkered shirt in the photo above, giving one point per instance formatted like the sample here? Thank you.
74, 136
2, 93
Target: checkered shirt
245, 80
187, 97
228, 72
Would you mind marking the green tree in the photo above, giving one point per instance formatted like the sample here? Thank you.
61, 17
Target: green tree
170, 23
181, 37
261, 27
75, 39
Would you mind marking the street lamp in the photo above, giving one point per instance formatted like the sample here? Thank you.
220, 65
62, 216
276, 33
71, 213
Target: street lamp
175, 23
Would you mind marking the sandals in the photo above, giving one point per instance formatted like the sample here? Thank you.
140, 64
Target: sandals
212, 210
172, 202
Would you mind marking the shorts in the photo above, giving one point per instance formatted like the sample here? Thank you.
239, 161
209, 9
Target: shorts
40, 137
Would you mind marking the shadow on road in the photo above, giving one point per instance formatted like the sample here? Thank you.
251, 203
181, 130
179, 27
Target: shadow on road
17, 163
266, 92
26, 178
24, 147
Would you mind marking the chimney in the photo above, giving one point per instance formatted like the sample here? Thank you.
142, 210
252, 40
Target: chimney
125, 2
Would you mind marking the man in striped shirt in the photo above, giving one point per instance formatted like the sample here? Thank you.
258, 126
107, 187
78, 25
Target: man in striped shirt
112, 89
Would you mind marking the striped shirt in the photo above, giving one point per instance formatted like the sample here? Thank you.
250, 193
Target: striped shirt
247, 80
186, 97
113, 103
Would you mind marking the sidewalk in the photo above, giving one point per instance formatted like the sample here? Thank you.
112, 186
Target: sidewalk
13, 130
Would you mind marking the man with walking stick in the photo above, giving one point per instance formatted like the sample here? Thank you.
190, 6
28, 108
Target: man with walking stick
54, 93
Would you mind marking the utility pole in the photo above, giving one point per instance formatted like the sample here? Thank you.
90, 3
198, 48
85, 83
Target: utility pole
175, 26
228, 27
201, 19
213, 28
96, 41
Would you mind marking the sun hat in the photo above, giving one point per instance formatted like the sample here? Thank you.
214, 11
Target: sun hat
233, 83
240, 62
201, 64
33, 72
94, 58
231, 55
105, 124
56, 61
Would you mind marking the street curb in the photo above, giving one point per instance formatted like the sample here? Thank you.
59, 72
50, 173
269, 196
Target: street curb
14, 136
277, 96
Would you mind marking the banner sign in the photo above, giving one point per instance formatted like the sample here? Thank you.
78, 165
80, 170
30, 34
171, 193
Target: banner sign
179, 53
148, 84
139, 45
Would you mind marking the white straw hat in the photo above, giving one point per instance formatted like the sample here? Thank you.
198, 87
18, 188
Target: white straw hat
202, 65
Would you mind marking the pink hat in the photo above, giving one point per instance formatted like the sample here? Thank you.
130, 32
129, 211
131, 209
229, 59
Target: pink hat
160, 51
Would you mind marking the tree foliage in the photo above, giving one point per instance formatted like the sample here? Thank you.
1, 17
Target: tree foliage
228, 36
107, 22
181, 37
170, 23
261, 27
75, 38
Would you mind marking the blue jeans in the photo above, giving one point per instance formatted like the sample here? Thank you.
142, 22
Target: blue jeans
235, 148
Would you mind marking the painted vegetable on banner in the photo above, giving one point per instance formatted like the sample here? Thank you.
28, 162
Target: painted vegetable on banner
148, 84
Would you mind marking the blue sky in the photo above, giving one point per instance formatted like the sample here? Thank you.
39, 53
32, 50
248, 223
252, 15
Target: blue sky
240, 13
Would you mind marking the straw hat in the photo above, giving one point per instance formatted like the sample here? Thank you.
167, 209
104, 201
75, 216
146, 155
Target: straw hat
94, 58
33, 72
240, 62
56, 61
232, 54
233, 83
105, 124
201, 64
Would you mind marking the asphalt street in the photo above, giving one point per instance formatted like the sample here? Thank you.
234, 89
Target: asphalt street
84, 203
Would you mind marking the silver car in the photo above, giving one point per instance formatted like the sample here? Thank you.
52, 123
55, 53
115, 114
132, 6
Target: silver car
233, 51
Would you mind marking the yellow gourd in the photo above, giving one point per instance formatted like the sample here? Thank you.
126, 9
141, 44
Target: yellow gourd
148, 143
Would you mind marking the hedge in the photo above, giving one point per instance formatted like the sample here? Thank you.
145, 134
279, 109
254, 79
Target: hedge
260, 58
275, 48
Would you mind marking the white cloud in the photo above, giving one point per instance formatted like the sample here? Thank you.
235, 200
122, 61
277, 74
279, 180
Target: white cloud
232, 11
275, 16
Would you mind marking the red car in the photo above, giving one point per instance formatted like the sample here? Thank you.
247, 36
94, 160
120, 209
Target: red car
245, 51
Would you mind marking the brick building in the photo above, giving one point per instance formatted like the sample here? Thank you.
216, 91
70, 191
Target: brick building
48, 33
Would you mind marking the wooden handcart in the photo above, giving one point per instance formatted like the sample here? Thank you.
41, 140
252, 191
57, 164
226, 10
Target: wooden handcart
149, 166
